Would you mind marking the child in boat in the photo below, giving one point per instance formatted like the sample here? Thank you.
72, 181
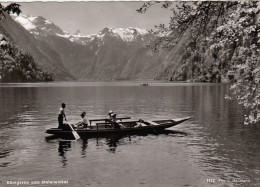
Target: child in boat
61, 116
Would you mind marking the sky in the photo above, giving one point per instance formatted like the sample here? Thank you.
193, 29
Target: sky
92, 17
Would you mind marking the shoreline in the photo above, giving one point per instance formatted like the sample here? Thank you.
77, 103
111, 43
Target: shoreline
108, 83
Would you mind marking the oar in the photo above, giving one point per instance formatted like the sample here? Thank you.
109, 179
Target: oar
75, 134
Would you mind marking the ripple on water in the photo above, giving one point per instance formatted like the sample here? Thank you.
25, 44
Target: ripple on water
213, 143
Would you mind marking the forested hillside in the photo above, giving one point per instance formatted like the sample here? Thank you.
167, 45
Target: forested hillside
15, 38
223, 43
17, 65
216, 34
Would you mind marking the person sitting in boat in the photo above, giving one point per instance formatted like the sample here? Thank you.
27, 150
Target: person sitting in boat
113, 120
84, 121
110, 118
113, 117
61, 116
115, 123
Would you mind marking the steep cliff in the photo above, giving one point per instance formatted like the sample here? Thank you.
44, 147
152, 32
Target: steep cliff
46, 58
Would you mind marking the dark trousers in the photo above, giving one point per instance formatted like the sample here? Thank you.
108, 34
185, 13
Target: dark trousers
60, 120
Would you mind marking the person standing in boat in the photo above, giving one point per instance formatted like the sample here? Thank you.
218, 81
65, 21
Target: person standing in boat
61, 116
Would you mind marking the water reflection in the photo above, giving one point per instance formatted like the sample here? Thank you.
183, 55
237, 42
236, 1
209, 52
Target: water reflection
115, 141
111, 141
84, 147
64, 146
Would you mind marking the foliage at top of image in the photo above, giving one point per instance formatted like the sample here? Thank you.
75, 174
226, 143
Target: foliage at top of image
223, 41
11, 8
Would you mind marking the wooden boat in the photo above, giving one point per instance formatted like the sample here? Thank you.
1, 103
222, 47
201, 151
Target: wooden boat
122, 127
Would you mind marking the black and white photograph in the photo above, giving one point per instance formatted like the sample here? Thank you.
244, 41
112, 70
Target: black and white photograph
129, 93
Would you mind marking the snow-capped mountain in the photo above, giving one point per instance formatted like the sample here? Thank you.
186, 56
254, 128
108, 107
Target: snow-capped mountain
38, 25
44, 27
113, 53
128, 34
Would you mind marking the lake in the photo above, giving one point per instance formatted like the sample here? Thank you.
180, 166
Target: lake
213, 148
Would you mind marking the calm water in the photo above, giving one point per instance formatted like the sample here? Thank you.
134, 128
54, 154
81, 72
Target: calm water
214, 144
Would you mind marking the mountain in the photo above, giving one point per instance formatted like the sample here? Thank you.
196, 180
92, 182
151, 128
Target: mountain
120, 54
108, 55
44, 56
37, 25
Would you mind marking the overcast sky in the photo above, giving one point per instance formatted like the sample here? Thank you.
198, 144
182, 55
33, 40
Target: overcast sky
92, 17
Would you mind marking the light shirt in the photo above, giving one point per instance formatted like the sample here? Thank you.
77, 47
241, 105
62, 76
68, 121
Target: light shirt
61, 112
85, 120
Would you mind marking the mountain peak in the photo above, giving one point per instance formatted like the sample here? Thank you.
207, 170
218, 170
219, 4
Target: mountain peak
37, 25
25, 21
41, 26
126, 34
